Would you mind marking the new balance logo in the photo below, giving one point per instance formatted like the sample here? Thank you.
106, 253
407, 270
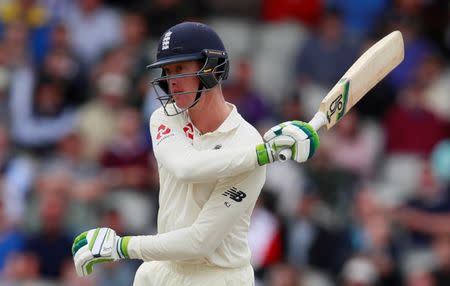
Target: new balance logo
234, 194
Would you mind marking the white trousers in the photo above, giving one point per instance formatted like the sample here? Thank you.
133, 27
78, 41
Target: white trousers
161, 273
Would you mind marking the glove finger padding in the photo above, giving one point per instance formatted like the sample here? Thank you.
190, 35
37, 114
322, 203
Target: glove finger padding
81, 259
101, 241
281, 142
311, 134
275, 131
300, 149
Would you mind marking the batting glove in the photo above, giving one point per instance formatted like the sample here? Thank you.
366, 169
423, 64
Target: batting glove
299, 138
97, 246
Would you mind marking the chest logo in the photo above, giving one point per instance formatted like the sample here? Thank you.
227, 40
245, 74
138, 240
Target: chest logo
235, 194
189, 131
162, 131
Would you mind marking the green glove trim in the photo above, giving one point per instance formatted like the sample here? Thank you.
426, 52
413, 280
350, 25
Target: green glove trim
91, 243
293, 151
280, 126
78, 245
90, 265
79, 242
314, 141
262, 154
124, 246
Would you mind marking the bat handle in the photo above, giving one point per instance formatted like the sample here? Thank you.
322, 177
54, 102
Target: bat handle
316, 122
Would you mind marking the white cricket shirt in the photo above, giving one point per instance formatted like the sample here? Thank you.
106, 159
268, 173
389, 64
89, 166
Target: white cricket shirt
208, 187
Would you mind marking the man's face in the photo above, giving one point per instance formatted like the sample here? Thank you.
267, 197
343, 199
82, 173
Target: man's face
188, 84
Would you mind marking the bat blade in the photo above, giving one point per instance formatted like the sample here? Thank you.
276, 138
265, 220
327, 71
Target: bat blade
370, 68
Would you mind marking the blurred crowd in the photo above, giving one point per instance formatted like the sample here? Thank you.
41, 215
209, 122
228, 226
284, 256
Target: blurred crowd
372, 208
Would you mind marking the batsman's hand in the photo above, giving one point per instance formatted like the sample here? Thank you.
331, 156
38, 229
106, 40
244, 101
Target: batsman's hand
97, 246
299, 138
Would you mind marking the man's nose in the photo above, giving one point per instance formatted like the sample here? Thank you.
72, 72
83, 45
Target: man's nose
172, 82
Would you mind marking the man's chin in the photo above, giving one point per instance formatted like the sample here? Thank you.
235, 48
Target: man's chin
181, 106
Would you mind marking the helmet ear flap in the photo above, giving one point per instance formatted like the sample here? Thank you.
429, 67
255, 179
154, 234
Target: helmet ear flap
206, 74
226, 68
215, 68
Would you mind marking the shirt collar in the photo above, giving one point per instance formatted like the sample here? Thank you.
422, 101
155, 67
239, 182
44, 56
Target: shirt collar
231, 122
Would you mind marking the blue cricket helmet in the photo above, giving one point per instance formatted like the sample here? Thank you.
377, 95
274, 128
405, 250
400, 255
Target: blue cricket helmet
189, 41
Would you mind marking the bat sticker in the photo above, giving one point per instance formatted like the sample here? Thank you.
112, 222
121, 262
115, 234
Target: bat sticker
345, 89
340, 103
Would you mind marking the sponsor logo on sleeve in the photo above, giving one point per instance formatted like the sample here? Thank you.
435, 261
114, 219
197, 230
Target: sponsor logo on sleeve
162, 132
189, 131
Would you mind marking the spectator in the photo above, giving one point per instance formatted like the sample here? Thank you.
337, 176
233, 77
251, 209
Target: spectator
16, 44
308, 241
93, 29
441, 248
284, 275
265, 237
420, 278
326, 54
22, 268
36, 17
250, 9
416, 48
126, 159
358, 147
163, 14
87, 184
40, 116
409, 127
5, 77
428, 212
436, 96
16, 177
333, 185
241, 92
11, 239
135, 43
61, 62
440, 163
370, 234
98, 120
359, 271
305, 12
51, 245
360, 17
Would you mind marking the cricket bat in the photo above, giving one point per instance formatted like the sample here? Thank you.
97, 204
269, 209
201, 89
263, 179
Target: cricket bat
370, 68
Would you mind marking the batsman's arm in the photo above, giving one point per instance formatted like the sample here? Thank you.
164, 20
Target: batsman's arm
174, 152
230, 199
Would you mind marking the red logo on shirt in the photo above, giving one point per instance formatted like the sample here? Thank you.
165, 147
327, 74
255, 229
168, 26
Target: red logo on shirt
162, 130
189, 131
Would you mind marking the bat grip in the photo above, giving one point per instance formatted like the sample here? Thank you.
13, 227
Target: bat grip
316, 122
